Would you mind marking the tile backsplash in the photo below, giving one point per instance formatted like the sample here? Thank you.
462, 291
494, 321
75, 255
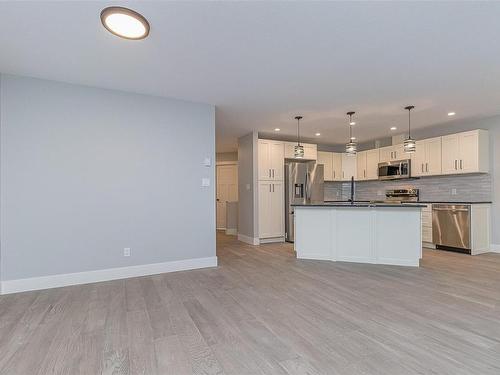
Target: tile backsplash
475, 187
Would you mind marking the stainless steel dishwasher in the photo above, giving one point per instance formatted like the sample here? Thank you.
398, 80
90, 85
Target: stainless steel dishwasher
451, 227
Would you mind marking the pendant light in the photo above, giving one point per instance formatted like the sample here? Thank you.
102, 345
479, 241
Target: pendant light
351, 146
298, 149
409, 143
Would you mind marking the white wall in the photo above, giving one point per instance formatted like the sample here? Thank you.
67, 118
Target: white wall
86, 172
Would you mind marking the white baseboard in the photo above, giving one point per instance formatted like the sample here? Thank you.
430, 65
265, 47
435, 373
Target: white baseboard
232, 231
272, 240
494, 248
56, 281
248, 240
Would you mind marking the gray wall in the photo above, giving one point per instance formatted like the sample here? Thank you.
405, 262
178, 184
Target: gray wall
86, 172
247, 185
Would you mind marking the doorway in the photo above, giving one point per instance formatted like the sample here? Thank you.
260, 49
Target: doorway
227, 190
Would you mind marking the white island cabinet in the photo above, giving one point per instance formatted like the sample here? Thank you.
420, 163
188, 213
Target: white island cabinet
379, 234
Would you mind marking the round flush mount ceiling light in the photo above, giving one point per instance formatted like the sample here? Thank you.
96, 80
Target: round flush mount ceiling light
125, 23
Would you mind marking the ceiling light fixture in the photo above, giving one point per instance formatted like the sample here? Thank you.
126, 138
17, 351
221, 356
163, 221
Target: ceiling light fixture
318, 134
352, 123
125, 23
409, 143
277, 129
298, 149
351, 147
451, 113
393, 128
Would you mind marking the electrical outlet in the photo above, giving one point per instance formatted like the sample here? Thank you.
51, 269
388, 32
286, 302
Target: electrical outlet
453, 191
205, 182
126, 252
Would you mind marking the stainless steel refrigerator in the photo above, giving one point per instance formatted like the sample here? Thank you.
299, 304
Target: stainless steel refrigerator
304, 183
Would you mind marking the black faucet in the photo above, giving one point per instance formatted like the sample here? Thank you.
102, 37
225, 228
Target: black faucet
352, 190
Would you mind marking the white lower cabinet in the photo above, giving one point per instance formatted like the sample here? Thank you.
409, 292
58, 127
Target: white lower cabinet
427, 226
271, 210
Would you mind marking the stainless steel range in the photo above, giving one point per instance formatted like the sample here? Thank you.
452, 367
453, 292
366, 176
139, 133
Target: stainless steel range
400, 196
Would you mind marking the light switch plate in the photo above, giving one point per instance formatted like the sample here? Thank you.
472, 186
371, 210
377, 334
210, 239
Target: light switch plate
205, 182
207, 162
453, 191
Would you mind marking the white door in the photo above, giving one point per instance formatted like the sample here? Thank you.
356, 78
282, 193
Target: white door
372, 160
468, 148
277, 160
265, 195
449, 154
277, 213
361, 165
418, 159
433, 156
398, 152
326, 159
386, 154
227, 191
337, 166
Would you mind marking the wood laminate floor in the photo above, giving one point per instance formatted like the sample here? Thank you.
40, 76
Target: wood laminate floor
264, 312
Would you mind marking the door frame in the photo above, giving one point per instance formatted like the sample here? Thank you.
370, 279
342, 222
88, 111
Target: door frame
219, 164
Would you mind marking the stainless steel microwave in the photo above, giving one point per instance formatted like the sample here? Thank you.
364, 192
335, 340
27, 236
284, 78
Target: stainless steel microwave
394, 170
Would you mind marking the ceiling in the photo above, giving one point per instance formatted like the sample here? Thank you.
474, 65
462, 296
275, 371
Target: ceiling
261, 63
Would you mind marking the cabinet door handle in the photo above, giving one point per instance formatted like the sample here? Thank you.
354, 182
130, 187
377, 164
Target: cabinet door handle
455, 164
269, 187
333, 174
461, 164
343, 174
273, 173
364, 173
269, 173
427, 167
422, 167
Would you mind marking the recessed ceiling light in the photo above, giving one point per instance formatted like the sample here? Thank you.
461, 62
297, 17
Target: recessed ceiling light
277, 129
318, 134
352, 123
125, 23
451, 113
393, 128
353, 138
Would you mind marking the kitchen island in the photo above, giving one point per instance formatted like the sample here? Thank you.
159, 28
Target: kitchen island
359, 232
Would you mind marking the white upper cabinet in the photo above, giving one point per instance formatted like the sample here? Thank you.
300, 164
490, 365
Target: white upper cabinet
426, 161
310, 150
361, 165
271, 160
349, 167
332, 162
372, 160
466, 152
393, 153
326, 159
367, 164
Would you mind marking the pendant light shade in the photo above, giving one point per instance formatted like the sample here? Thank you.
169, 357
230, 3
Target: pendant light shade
410, 145
351, 147
298, 152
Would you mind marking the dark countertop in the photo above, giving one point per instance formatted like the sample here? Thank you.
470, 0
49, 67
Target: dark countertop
423, 202
359, 204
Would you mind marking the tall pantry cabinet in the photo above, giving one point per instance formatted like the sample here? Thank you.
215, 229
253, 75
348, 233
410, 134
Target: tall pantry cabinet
271, 166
